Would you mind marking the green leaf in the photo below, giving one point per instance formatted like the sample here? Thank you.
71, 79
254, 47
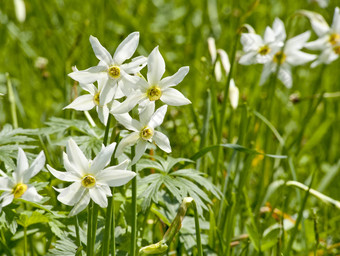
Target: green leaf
270, 239
28, 218
254, 236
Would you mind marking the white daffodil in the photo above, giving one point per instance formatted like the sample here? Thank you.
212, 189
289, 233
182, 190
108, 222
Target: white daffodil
289, 56
143, 131
98, 98
90, 179
154, 88
224, 59
329, 39
112, 68
18, 186
258, 50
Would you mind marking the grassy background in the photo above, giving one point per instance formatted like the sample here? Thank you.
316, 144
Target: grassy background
59, 31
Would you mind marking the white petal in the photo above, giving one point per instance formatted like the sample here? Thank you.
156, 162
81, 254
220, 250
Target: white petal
297, 42
212, 48
107, 92
76, 156
20, 10
146, 114
82, 103
233, 94
6, 198
267, 69
140, 149
174, 79
65, 176
102, 159
89, 75
35, 168
126, 48
318, 44
127, 121
81, 204
250, 41
336, 20
71, 168
22, 165
158, 117
269, 35
299, 58
129, 140
129, 103
6, 184
173, 97
224, 60
98, 196
285, 76
103, 114
156, 67
122, 166
89, 88
279, 29
248, 58
115, 178
162, 141
71, 194
100, 52
318, 23
135, 65
31, 195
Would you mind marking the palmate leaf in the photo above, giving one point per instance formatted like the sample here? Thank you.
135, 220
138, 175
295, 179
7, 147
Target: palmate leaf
27, 218
65, 246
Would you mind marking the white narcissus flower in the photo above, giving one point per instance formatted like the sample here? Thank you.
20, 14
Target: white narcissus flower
290, 56
155, 88
18, 186
329, 38
97, 98
112, 68
234, 94
258, 50
143, 131
91, 180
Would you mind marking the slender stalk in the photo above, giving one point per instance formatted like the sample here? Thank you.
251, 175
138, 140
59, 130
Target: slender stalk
76, 224
89, 227
25, 241
198, 230
11, 100
134, 207
113, 238
95, 210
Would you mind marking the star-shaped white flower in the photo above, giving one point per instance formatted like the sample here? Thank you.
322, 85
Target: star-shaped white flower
155, 88
143, 131
290, 56
90, 179
329, 38
97, 98
112, 67
18, 186
258, 50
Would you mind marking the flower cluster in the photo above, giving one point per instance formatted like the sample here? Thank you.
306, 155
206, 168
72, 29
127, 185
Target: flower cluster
274, 51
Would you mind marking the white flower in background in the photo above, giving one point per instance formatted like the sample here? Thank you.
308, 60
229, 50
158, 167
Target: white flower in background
289, 56
258, 50
90, 179
112, 68
20, 10
18, 186
143, 131
223, 58
329, 38
321, 3
234, 94
155, 88
97, 98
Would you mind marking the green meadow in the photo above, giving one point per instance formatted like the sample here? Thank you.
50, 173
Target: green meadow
259, 178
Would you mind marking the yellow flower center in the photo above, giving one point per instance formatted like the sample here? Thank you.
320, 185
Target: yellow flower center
154, 93
114, 72
19, 190
264, 50
337, 50
96, 98
279, 57
334, 38
146, 133
88, 181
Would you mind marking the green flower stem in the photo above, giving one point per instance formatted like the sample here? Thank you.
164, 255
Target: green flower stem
223, 109
198, 230
25, 241
95, 210
89, 227
11, 100
76, 225
134, 208
113, 225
